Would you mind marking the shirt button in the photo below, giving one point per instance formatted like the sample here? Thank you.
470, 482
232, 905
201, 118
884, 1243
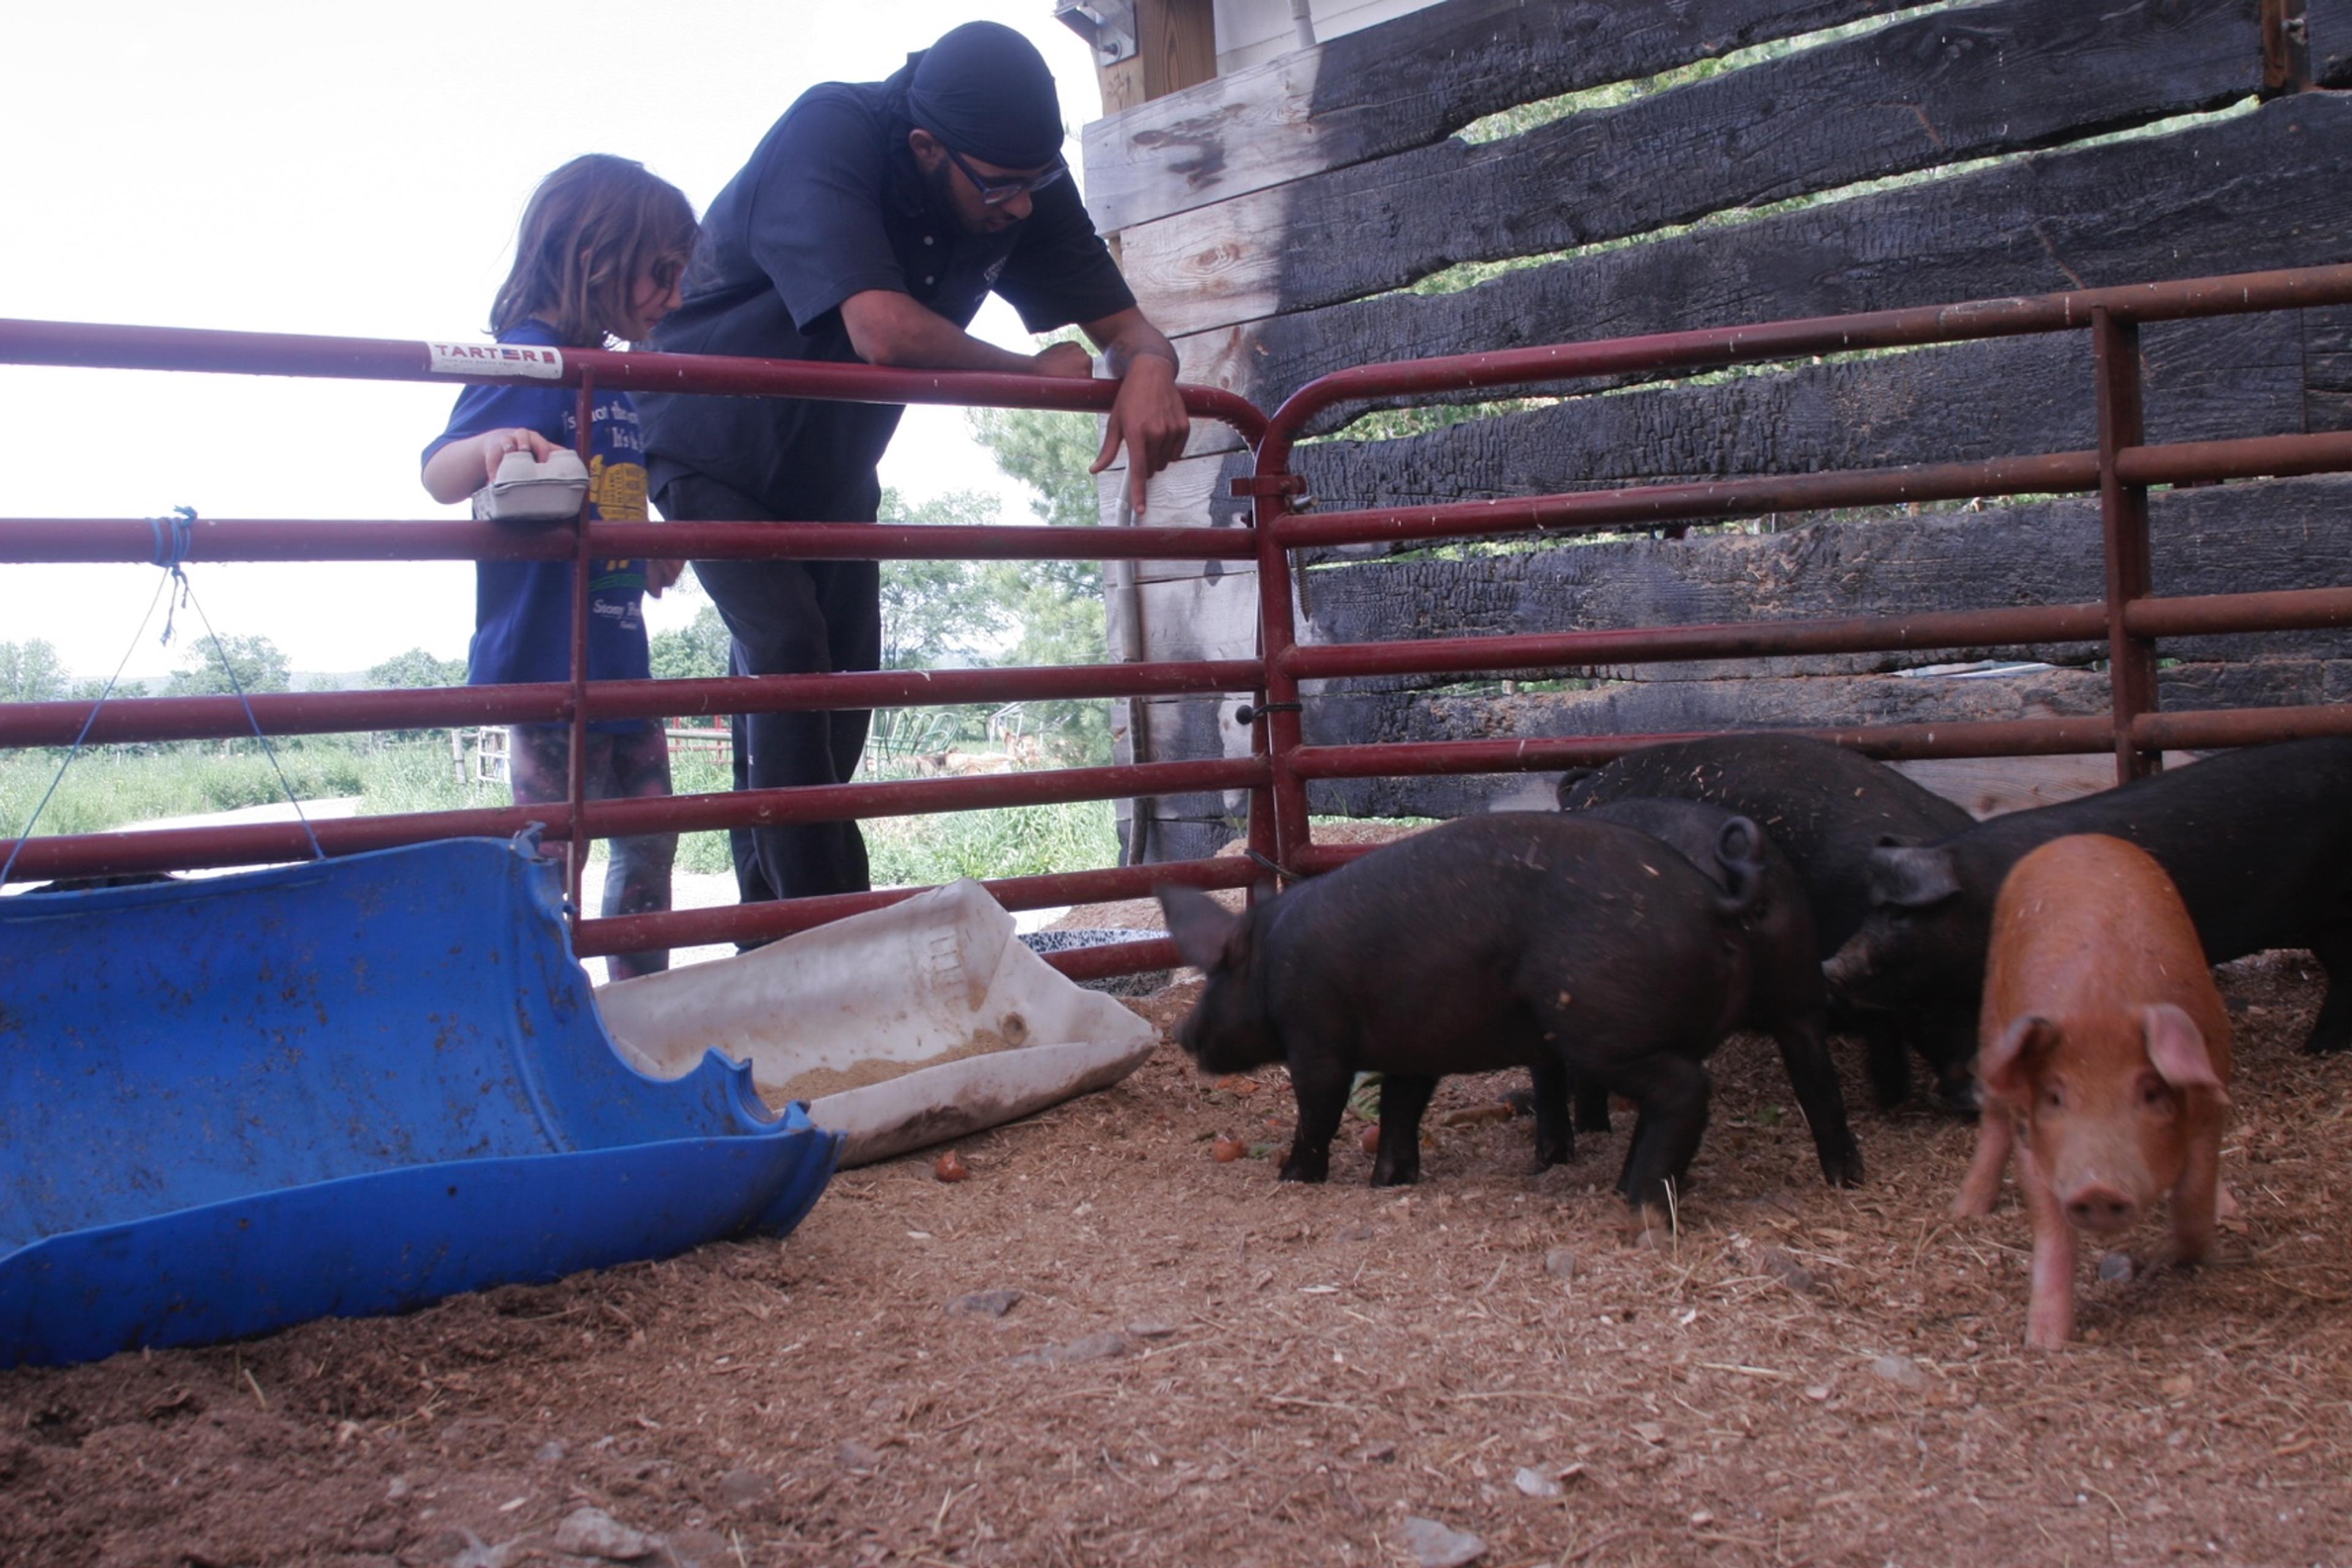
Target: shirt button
927, 239
929, 281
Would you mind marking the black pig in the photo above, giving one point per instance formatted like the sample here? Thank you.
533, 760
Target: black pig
2258, 842
1827, 808
1573, 947
1786, 998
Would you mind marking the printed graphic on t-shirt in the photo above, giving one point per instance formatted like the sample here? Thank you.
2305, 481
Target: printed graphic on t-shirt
618, 490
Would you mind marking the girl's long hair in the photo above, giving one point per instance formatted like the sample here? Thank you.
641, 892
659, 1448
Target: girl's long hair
593, 228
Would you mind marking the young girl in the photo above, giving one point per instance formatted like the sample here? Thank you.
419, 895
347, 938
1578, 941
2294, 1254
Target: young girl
603, 246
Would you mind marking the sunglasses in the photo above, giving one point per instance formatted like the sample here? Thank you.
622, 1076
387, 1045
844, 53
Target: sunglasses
997, 189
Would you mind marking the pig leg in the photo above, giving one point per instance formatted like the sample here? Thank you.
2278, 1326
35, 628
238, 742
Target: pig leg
1403, 1100
1591, 1107
2050, 1311
1806, 1057
1886, 1058
1555, 1138
2196, 1198
1321, 1079
2332, 1030
1996, 1131
1949, 1042
1671, 1093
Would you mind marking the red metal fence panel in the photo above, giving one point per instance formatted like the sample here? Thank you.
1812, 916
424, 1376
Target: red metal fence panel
2127, 618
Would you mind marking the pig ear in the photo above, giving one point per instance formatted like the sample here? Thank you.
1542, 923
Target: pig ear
1911, 876
1203, 929
2177, 1047
2003, 1066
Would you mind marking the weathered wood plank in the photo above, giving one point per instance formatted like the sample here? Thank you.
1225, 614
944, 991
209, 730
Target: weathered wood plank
1200, 617
1186, 827
1933, 91
1191, 492
2254, 191
1764, 703
1405, 83
2243, 538
1993, 786
2329, 23
2227, 377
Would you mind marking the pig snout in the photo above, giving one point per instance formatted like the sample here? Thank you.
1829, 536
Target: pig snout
2100, 1208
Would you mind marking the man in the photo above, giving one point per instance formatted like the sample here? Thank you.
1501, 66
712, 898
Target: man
869, 225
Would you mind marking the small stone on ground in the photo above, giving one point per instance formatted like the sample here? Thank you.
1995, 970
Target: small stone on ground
1434, 1546
1901, 1371
1535, 1483
593, 1532
1790, 1272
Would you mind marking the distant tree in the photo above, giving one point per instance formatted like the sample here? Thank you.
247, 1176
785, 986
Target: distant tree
1057, 604
938, 613
1049, 452
31, 672
259, 667
698, 653
414, 668
91, 688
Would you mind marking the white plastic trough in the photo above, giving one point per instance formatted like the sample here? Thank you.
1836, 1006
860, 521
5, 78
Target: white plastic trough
917, 981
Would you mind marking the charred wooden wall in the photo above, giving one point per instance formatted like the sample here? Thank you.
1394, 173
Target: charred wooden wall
1833, 155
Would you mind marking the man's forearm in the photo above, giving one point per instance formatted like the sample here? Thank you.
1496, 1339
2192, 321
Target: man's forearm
1134, 339
892, 329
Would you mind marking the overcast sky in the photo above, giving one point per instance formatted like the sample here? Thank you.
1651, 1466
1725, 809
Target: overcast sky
359, 171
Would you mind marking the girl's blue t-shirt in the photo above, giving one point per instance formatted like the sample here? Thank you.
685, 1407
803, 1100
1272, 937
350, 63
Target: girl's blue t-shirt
522, 609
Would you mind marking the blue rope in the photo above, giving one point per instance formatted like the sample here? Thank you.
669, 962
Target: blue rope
188, 596
174, 537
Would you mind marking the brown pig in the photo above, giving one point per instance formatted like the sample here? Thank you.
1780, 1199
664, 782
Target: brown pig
2105, 1048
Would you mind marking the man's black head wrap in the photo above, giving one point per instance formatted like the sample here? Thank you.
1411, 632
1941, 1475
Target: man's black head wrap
984, 90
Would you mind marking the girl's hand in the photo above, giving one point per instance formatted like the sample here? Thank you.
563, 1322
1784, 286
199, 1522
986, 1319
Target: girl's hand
660, 574
461, 467
494, 445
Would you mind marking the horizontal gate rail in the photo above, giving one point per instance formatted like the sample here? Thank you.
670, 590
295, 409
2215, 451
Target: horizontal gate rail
149, 719
1723, 500
58, 541
160, 849
2213, 615
1714, 347
94, 346
1889, 742
759, 923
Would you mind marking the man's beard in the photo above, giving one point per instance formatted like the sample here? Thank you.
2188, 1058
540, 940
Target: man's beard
939, 196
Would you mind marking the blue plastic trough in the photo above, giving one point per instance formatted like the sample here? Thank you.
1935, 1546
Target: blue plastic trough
349, 1087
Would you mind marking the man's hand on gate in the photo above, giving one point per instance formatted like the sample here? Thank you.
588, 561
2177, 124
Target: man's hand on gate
1069, 361
1149, 420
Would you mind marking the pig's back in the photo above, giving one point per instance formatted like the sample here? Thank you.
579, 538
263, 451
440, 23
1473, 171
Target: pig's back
2090, 924
2256, 842
1471, 897
1824, 806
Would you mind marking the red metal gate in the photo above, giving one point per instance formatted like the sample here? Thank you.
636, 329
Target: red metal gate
2120, 470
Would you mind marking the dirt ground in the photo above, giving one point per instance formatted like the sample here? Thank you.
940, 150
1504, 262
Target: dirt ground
1106, 1347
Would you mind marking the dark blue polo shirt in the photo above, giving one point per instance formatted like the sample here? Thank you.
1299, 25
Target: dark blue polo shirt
832, 205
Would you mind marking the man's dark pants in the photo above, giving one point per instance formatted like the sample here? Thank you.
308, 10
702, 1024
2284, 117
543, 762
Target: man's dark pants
788, 617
